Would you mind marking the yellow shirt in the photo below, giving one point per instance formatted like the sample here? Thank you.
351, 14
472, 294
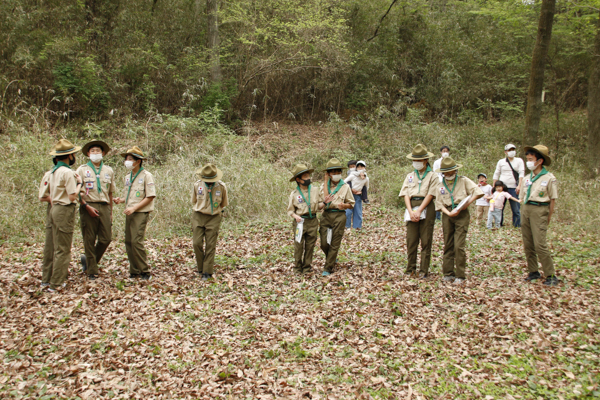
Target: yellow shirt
141, 187
62, 183
343, 196
201, 198
297, 205
464, 188
411, 185
44, 190
89, 189
544, 189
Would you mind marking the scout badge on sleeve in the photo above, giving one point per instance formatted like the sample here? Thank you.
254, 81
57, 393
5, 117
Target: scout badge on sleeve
329, 235
299, 229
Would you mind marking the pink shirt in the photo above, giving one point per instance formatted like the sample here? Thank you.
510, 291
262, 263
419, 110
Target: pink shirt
499, 198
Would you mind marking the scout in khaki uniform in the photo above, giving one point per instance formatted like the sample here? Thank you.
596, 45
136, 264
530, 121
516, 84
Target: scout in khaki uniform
538, 196
303, 205
337, 197
64, 185
451, 191
44, 196
95, 212
419, 190
209, 198
139, 203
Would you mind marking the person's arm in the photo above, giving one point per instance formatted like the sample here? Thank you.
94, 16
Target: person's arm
73, 191
496, 173
45, 199
141, 204
551, 210
347, 202
291, 210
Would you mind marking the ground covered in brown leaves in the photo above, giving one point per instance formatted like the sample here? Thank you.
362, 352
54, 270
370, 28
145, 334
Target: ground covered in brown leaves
260, 331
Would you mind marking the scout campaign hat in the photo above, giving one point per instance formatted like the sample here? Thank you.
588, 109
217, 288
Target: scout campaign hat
299, 169
447, 165
419, 152
542, 151
209, 173
136, 152
95, 143
334, 163
64, 148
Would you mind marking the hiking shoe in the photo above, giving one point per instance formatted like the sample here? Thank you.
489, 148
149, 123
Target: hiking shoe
459, 281
552, 280
83, 263
92, 277
325, 273
206, 277
134, 276
145, 276
448, 278
44, 285
533, 276
366, 202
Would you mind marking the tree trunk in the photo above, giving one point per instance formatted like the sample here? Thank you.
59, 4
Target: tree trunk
212, 9
536, 78
594, 107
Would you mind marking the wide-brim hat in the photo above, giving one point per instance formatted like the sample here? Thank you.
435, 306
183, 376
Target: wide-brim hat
64, 148
95, 143
542, 150
136, 152
448, 165
334, 163
299, 169
209, 173
419, 152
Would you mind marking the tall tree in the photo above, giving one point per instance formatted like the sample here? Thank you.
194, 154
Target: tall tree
212, 9
594, 107
536, 78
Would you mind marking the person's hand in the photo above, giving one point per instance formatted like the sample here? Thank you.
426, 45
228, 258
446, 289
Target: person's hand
129, 210
415, 216
117, 200
328, 198
518, 190
454, 213
341, 206
92, 212
362, 175
297, 218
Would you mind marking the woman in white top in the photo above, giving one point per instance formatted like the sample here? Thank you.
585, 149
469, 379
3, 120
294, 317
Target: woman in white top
511, 171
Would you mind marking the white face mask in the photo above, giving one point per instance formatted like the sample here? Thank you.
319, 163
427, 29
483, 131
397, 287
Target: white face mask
418, 165
129, 164
531, 165
444, 154
96, 158
511, 154
336, 178
450, 178
352, 169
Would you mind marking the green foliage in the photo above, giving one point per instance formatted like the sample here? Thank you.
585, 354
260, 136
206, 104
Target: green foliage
219, 96
81, 79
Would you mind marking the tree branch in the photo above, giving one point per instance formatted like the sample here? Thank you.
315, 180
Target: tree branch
381, 20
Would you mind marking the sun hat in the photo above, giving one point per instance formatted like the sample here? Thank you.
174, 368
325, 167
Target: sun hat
447, 165
299, 169
136, 152
542, 151
95, 143
334, 163
210, 173
64, 148
419, 152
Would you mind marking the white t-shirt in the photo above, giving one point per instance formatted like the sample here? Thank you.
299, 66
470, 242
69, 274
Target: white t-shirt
436, 165
357, 182
504, 172
482, 201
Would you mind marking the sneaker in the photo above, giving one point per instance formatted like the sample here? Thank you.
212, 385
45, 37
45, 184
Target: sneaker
83, 263
448, 278
459, 281
145, 276
206, 277
325, 273
533, 276
366, 201
44, 285
552, 280
423, 275
92, 277
134, 276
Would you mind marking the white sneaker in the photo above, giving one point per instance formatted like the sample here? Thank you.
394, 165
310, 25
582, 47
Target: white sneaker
448, 279
459, 281
44, 285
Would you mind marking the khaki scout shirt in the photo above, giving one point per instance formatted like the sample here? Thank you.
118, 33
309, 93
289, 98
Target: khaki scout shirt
201, 198
410, 187
142, 187
44, 185
344, 195
62, 183
464, 188
89, 189
544, 189
297, 205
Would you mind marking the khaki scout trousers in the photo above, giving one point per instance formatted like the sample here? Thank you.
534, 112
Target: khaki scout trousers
206, 229
420, 231
48, 248
534, 225
455, 238
482, 213
303, 251
135, 229
337, 222
99, 227
63, 224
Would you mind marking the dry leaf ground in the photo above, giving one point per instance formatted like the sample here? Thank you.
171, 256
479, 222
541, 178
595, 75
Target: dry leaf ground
260, 331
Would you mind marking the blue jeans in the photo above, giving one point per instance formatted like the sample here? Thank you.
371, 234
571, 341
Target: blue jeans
354, 215
515, 208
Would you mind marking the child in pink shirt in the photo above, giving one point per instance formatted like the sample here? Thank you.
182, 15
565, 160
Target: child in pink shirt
497, 200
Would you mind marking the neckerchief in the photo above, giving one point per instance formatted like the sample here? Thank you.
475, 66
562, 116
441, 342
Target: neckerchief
309, 207
210, 196
427, 170
131, 183
58, 165
91, 165
337, 188
451, 191
542, 172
